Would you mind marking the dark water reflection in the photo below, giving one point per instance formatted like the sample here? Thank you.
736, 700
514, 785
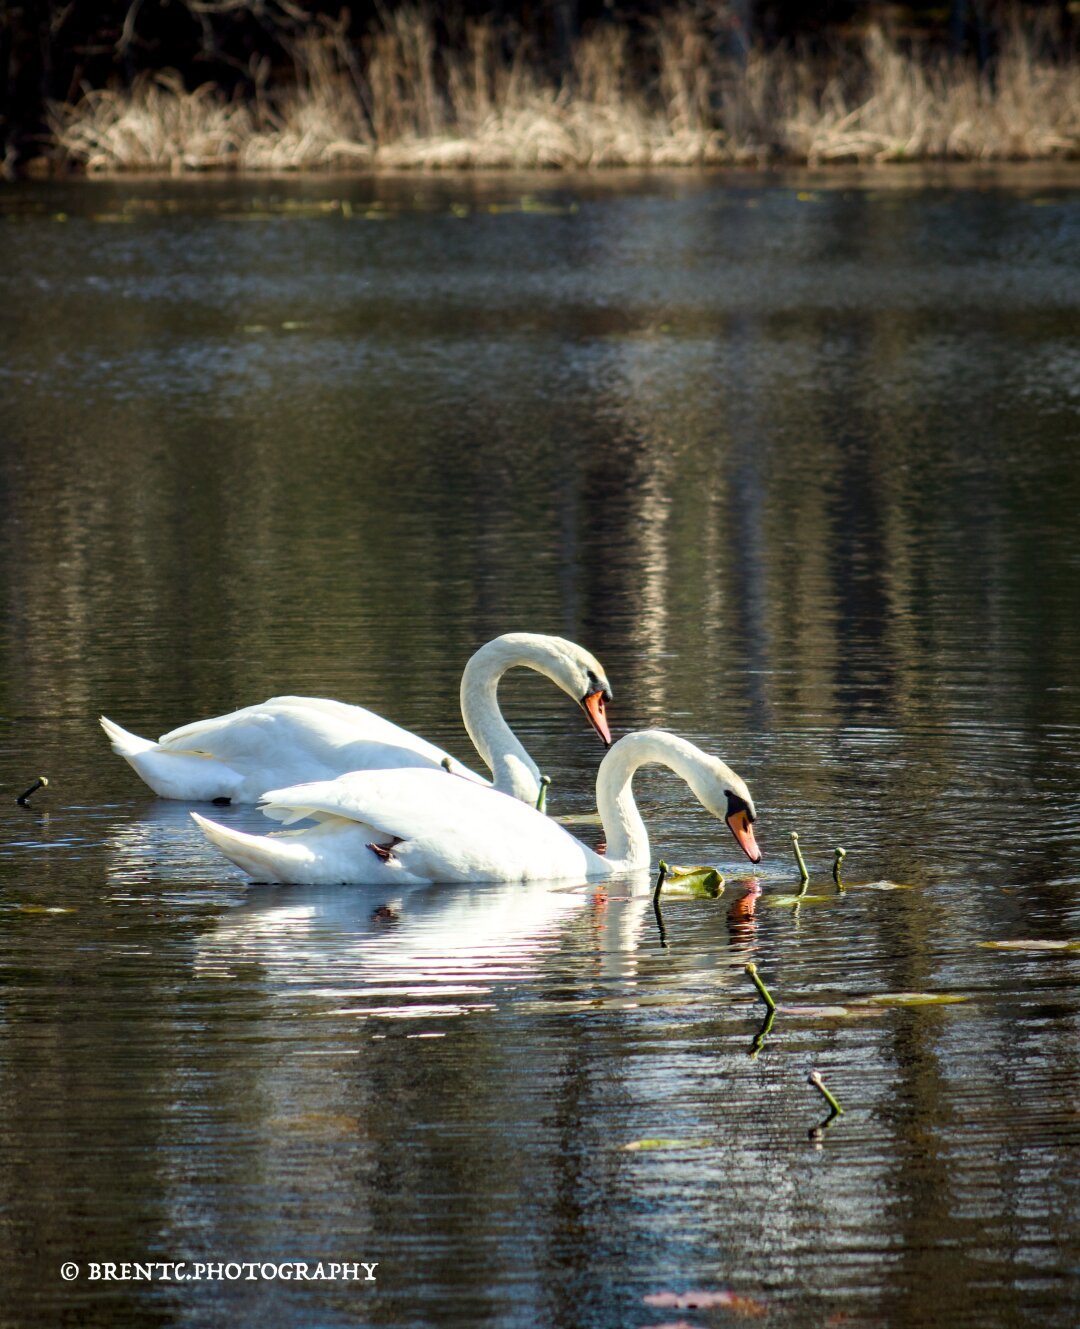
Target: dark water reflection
799, 464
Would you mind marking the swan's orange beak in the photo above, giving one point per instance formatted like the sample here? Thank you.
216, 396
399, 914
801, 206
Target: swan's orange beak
594, 705
743, 831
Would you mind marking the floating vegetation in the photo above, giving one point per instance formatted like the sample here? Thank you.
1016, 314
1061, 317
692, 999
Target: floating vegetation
1030, 944
529, 203
792, 901
694, 882
318, 1125
688, 883
915, 999
839, 854
662, 1142
37, 909
830, 1012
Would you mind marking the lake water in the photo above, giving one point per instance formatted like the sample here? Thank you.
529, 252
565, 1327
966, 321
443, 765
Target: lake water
796, 457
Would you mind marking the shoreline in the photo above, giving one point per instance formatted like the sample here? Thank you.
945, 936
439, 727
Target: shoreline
417, 107
1028, 175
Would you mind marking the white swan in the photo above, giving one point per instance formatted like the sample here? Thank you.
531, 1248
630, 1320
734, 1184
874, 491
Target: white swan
417, 826
286, 740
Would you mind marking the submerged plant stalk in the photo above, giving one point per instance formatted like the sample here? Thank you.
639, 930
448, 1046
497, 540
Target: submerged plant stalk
40, 783
541, 798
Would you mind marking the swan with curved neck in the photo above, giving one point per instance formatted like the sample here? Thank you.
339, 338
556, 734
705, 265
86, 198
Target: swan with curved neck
422, 826
289, 740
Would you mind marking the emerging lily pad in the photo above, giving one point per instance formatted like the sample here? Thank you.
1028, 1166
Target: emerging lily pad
663, 1143
40, 909
1031, 944
829, 1012
695, 881
529, 203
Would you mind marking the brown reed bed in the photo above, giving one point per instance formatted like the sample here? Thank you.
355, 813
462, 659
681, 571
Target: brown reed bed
404, 102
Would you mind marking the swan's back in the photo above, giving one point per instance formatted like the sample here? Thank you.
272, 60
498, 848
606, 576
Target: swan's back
440, 827
288, 740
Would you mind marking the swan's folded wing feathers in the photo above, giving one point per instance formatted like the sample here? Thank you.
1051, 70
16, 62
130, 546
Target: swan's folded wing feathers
399, 802
256, 732
326, 736
448, 828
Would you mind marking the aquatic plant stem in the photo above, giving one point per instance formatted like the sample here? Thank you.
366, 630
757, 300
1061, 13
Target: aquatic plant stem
40, 783
763, 1033
815, 1079
840, 855
541, 797
803, 874
664, 870
766, 995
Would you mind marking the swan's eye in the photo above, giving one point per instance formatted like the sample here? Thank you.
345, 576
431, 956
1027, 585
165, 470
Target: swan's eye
735, 804
596, 686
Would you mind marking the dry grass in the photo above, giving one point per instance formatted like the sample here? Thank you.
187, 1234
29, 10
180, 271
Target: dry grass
940, 110
411, 104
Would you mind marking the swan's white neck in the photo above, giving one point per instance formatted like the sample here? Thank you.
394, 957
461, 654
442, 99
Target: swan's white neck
512, 769
627, 838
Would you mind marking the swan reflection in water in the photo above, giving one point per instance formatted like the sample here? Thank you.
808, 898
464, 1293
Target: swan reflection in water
417, 951
345, 942
425, 951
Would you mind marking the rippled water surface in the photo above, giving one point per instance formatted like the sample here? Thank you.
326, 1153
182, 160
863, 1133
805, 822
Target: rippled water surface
797, 459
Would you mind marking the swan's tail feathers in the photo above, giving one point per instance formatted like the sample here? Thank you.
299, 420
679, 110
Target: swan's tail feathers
331, 853
259, 856
125, 744
186, 775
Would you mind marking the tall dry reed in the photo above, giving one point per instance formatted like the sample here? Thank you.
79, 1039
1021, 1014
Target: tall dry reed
405, 101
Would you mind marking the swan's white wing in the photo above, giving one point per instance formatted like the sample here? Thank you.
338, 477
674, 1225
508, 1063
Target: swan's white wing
445, 828
259, 732
288, 739
402, 803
